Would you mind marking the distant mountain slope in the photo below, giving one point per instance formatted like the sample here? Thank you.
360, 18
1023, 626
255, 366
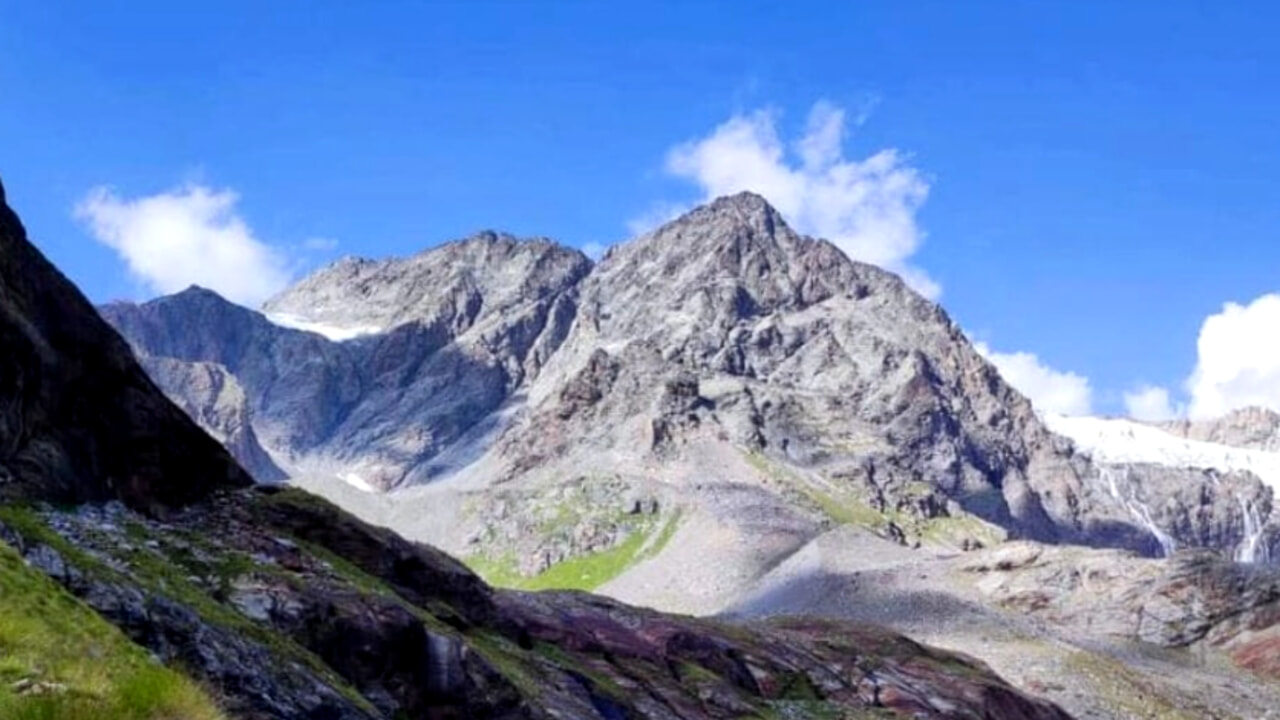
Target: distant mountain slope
464, 326
722, 382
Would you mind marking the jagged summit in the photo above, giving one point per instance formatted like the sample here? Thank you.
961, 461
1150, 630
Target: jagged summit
735, 255
442, 284
747, 207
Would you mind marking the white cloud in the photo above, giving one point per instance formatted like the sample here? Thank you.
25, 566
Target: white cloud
1050, 391
1150, 403
188, 236
866, 207
1239, 359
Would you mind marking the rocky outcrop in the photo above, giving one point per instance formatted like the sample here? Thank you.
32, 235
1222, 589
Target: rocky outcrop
1195, 598
214, 399
1253, 428
1104, 633
79, 418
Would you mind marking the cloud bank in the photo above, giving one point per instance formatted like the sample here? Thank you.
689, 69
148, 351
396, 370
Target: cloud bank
1238, 359
865, 207
1237, 366
1050, 391
191, 235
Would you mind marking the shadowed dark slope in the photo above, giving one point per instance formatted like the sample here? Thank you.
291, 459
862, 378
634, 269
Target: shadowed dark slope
79, 419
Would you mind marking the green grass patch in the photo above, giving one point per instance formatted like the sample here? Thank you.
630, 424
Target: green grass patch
48, 636
846, 511
584, 572
24, 521
509, 660
590, 571
660, 543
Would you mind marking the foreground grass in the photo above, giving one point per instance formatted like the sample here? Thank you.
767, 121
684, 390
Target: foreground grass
60, 661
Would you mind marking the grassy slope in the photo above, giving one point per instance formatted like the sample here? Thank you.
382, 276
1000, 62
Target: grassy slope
81, 665
584, 572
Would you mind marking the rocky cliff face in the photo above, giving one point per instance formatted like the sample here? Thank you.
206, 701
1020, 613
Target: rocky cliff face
728, 318
436, 344
1251, 428
212, 396
286, 607
298, 386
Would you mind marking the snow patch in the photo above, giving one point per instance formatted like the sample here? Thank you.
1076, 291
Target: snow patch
1117, 441
336, 333
357, 482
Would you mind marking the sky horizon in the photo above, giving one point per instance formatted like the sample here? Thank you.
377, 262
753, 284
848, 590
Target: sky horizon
1089, 190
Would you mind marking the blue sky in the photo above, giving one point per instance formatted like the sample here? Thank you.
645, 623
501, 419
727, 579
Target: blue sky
1101, 177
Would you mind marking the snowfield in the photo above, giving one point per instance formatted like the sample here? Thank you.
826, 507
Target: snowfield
335, 333
1117, 441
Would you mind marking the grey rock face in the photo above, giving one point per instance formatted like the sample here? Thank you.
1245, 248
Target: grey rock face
298, 385
1253, 428
1195, 508
816, 361
464, 325
214, 399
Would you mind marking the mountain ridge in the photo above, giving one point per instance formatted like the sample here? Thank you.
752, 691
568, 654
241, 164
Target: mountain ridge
532, 342
277, 605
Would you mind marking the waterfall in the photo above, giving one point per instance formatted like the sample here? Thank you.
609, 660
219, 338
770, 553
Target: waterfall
1251, 548
1138, 510
442, 662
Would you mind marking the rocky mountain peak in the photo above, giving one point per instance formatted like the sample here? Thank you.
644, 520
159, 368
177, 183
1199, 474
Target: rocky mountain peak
724, 262
453, 284
745, 208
